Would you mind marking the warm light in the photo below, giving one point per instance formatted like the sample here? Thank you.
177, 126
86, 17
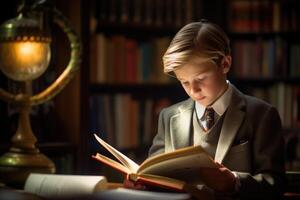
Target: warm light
24, 60
26, 49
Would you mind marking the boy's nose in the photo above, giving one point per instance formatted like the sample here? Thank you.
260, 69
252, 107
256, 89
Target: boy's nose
195, 89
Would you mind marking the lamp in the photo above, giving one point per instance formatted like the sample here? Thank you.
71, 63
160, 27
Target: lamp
24, 56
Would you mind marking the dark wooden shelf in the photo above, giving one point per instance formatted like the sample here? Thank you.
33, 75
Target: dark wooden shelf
264, 35
173, 91
262, 82
129, 87
136, 29
111, 88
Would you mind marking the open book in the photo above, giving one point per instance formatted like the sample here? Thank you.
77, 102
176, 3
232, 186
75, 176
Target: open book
169, 170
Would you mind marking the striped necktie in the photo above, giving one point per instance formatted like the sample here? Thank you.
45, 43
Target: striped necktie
209, 117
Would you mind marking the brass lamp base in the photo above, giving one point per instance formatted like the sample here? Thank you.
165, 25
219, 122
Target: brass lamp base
15, 167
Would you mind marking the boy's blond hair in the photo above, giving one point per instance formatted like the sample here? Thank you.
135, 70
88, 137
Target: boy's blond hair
202, 39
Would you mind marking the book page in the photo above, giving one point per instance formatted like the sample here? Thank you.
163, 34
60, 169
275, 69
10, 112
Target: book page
56, 185
178, 153
181, 164
131, 165
112, 163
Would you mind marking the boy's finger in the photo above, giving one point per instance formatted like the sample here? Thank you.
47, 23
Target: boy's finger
219, 164
139, 186
128, 184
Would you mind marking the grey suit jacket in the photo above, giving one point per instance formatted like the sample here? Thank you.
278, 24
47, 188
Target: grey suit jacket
250, 142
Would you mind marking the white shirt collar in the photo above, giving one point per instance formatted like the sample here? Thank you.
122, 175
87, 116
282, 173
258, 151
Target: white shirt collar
220, 105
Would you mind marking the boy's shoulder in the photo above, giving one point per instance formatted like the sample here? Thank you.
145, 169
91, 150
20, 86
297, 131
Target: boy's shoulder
182, 106
256, 107
251, 101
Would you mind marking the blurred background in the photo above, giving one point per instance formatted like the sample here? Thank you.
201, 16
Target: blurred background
121, 89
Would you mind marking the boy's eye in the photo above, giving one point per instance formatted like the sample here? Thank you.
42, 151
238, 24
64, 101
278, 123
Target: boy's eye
201, 79
185, 83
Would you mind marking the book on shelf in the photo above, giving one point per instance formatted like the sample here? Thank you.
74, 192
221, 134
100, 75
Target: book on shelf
125, 129
171, 170
119, 59
63, 185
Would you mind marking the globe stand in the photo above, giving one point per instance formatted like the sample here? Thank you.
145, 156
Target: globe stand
23, 157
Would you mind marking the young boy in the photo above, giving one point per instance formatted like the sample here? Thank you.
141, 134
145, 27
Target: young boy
242, 133
245, 138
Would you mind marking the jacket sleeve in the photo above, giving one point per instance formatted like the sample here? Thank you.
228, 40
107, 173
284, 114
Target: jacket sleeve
158, 144
267, 179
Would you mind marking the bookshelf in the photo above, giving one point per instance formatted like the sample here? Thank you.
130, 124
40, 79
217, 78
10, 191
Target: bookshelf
264, 61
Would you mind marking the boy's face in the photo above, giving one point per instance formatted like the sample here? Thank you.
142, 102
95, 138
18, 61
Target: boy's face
204, 82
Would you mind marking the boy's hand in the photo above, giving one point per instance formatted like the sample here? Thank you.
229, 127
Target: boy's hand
219, 179
133, 185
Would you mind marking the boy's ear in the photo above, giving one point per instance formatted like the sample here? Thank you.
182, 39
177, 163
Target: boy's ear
226, 64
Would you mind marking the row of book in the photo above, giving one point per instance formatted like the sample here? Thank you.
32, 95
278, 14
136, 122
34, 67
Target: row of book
118, 59
263, 16
265, 58
123, 121
126, 122
148, 12
286, 98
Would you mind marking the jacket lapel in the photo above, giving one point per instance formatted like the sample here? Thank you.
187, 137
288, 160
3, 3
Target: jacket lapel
232, 122
181, 125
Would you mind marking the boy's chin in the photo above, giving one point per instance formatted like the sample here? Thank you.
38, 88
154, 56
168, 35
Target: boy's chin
204, 102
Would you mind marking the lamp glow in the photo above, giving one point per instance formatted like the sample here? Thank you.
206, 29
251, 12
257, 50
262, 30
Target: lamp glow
24, 61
